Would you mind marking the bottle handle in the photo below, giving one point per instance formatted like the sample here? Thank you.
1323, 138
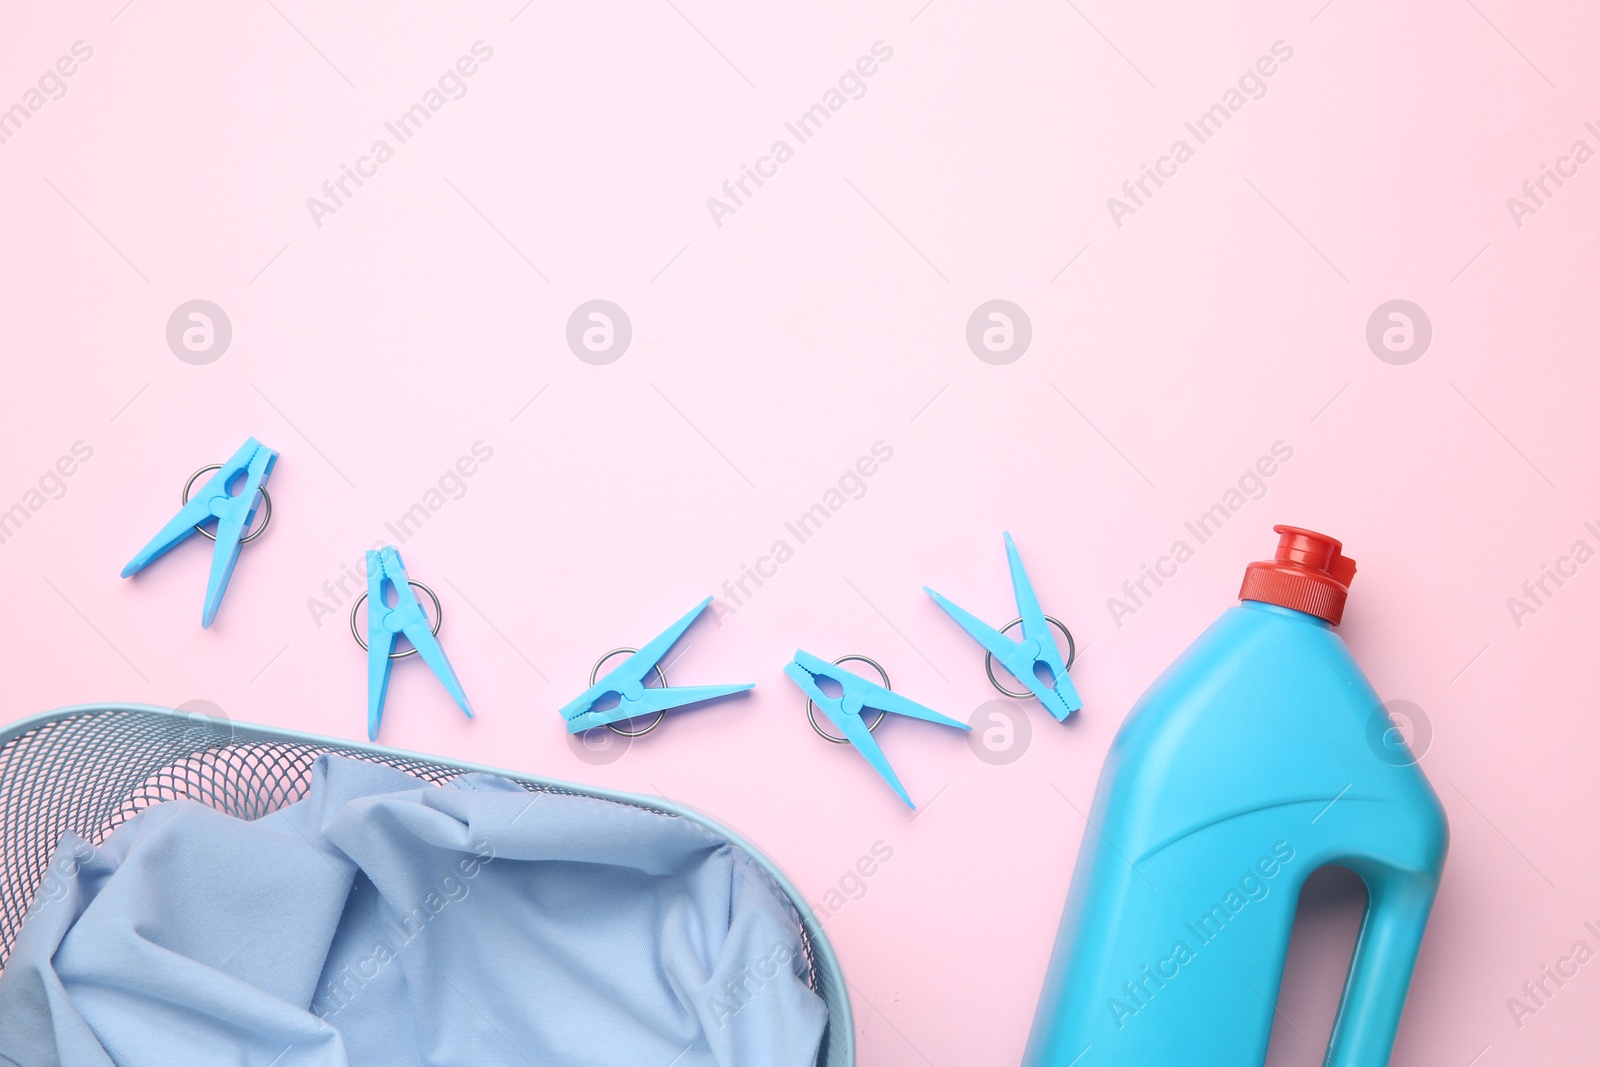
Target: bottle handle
1398, 903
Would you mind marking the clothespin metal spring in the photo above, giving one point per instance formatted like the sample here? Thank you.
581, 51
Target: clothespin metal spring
988, 657
811, 705
661, 674
251, 535
438, 618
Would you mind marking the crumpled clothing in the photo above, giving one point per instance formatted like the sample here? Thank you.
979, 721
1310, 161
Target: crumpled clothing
388, 922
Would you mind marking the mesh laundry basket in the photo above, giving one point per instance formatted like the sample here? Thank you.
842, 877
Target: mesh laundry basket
90, 769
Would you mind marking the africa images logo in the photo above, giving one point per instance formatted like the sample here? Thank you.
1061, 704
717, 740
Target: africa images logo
1253, 886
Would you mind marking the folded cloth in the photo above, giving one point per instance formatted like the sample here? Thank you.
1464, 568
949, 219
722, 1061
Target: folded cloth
385, 921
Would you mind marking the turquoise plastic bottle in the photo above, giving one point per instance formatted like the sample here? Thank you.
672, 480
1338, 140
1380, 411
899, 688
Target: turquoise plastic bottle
1259, 756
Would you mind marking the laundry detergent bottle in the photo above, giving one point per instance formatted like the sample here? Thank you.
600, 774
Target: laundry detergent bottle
1259, 756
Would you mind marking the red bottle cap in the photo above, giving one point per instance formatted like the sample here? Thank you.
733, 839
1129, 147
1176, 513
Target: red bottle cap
1309, 574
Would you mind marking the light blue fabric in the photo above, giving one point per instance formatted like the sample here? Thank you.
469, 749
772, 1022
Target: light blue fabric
383, 921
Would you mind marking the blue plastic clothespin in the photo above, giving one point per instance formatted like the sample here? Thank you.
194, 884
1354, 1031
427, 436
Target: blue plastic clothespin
233, 514
625, 682
844, 710
385, 624
1037, 650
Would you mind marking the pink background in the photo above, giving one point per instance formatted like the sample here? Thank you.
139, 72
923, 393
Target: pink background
828, 313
